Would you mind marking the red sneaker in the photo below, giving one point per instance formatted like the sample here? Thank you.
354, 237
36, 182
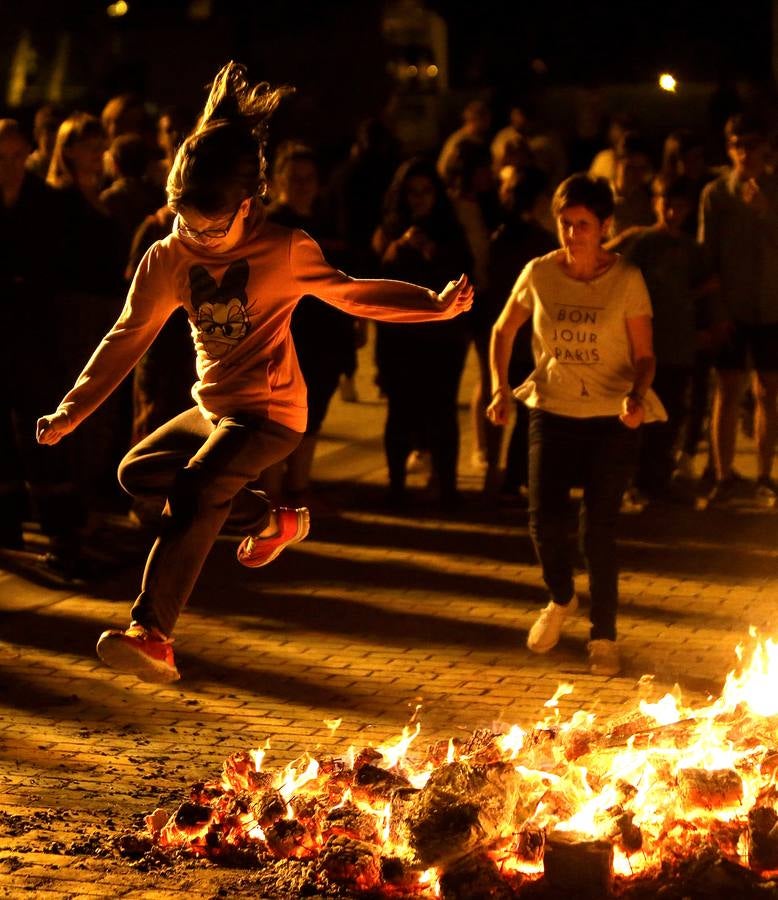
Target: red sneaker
147, 654
293, 526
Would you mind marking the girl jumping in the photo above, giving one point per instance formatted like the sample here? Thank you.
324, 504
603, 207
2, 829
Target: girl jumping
239, 279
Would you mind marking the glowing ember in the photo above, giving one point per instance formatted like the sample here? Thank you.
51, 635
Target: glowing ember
639, 797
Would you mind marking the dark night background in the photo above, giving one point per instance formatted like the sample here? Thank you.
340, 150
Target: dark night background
337, 55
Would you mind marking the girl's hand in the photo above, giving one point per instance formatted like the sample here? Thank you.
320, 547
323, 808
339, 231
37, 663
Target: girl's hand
456, 297
51, 429
632, 411
497, 411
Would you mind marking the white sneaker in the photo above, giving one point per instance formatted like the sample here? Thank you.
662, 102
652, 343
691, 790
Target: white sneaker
604, 657
418, 461
545, 633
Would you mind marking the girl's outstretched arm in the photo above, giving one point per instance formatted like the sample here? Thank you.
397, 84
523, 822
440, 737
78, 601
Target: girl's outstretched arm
372, 298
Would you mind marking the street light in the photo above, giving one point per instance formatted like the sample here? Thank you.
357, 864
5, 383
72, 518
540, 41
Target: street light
667, 82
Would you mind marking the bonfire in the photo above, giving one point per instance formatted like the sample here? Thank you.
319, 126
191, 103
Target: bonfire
665, 801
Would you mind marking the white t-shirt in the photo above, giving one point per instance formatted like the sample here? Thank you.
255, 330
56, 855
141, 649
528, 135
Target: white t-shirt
583, 361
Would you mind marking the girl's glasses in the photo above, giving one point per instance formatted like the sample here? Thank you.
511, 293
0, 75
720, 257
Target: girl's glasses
206, 234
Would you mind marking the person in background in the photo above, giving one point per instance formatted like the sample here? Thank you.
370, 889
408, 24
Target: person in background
684, 155
588, 394
353, 200
632, 184
172, 127
88, 297
44, 131
476, 122
679, 284
33, 484
124, 114
239, 278
603, 164
739, 230
418, 240
131, 196
471, 188
524, 197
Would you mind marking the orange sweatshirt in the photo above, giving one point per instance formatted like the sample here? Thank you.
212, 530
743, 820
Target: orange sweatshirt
240, 304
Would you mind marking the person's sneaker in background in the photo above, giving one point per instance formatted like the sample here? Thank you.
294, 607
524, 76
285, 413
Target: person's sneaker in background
729, 492
766, 491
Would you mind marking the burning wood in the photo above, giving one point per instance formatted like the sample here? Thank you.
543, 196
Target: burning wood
579, 808
701, 789
461, 808
578, 866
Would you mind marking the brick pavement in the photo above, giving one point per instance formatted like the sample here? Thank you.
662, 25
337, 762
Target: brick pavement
375, 613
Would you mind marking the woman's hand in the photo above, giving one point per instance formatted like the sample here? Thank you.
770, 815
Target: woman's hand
51, 429
456, 297
497, 411
632, 411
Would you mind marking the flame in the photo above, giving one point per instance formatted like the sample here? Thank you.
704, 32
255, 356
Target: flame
756, 686
562, 691
512, 742
333, 724
294, 776
258, 755
395, 753
429, 879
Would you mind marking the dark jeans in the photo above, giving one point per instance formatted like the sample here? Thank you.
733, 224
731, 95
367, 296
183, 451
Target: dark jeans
35, 480
699, 401
599, 455
200, 468
422, 386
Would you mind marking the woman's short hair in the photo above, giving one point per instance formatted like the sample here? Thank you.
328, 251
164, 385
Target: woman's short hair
583, 190
222, 162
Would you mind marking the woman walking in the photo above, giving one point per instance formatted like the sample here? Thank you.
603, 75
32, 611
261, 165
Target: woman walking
588, 394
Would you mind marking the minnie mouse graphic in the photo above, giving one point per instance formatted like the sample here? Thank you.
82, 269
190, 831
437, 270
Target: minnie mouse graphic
221, 309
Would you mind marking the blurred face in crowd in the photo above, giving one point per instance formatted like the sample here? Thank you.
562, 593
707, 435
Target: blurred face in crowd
13, 153
420, 196
671, 210
508, 179
168, 135
477, 120
300, 185
632, 173
580, 231
85, 159
46, 134
748, 154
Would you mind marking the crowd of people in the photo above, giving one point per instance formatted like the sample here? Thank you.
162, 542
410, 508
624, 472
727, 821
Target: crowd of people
82, 199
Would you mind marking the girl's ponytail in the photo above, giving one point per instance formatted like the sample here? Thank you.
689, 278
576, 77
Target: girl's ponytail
222, 162
233, 99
